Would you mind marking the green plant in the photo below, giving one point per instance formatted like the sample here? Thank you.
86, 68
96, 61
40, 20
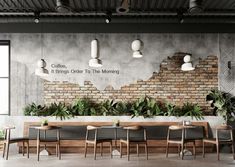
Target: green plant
2, 134
170, 109
145, 107
107, 107
83, 107
192, 110
60, 110
223, 104
122, 108
44, 122
35, 110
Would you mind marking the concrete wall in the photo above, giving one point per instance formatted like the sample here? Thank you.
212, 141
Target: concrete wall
74, 50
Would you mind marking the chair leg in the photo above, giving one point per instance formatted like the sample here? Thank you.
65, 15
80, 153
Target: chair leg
179, 150
233, 150
56, 150
101, 149
120, 149
85, 150
95, 146
8, 145
137, 149
111, 149
4, 149
38, 150
146, 151
23, 148
167, 147
128, 151
217, 149
27, 144
194, 149
59, 151
182, 150
203, 149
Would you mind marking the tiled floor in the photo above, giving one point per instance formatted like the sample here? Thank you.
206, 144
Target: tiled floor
155, 160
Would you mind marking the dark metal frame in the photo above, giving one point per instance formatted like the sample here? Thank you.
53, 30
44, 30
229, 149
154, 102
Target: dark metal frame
7, 42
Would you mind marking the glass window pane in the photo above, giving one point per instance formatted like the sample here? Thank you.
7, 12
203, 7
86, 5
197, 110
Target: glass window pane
4, 60
4, 96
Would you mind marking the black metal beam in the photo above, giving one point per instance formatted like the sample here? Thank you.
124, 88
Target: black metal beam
115, 28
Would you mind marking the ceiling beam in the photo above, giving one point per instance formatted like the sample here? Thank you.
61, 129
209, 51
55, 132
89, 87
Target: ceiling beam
115, 28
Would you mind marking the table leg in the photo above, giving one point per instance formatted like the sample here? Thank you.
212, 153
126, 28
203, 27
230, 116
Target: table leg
115, 151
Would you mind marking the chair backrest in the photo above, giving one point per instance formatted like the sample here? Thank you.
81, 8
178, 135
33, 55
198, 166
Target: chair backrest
224, 128
176, 128
135, 128
7, 131
92, 128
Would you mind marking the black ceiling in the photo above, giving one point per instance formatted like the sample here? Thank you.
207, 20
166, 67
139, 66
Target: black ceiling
143, 16
104, 5
93, 11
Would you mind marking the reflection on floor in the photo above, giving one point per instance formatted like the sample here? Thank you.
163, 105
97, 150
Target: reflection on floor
78, 160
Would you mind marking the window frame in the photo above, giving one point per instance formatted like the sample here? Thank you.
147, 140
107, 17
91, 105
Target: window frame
8, 43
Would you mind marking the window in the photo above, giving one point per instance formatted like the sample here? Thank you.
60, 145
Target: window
4, 77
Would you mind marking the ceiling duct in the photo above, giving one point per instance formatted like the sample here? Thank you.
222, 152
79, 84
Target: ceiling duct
62, 6
195, 6
124, 7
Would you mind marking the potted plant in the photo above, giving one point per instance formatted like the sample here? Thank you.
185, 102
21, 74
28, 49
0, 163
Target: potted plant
223, 104
44, 122
116, 122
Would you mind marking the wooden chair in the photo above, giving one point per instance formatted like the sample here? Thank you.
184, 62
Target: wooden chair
8, 140
181, 141
96, 140
129, 140
46, 141
217, 140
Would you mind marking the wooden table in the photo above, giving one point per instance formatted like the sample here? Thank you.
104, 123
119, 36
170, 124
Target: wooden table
75, 146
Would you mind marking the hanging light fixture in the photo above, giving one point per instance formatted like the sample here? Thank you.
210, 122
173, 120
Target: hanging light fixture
95, 61
62, 6
41, 64
36, 17
124, 7
41, 69
136, 46
195, 6
108, 17
187, 66
180, 15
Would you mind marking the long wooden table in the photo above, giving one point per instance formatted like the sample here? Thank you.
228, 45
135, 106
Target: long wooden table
74, 146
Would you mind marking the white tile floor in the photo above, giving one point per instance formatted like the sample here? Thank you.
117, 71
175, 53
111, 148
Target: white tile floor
155, 160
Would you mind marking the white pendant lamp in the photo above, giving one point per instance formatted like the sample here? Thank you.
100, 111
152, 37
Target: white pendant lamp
187, 66
41, 69
41, 64
136, 46
124, 7
95, 61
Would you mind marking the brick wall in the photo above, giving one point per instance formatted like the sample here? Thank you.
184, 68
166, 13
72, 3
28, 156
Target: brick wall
170, 84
